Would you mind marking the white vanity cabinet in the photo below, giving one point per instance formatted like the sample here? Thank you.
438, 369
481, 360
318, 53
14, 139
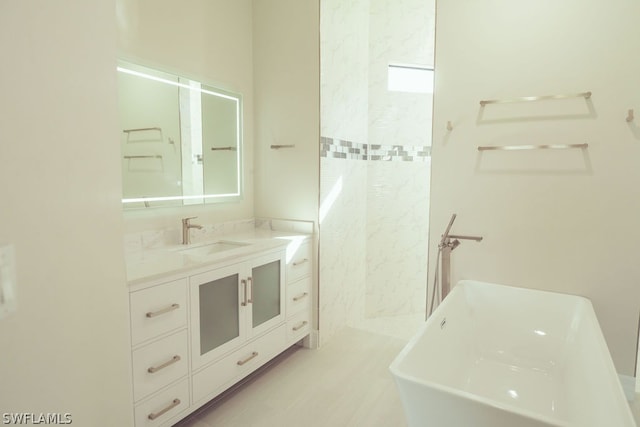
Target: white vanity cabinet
299, 292
160, 352
197, 335
234, 304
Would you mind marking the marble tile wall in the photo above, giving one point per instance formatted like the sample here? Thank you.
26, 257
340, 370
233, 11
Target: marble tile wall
401, 31
397, 237
375, 148
344, 33
342, 244
374, 225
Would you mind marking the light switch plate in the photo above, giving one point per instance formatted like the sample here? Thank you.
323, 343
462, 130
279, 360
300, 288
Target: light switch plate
8, 303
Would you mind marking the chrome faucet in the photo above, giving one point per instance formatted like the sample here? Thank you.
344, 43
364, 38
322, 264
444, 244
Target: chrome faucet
186, 225
447, 244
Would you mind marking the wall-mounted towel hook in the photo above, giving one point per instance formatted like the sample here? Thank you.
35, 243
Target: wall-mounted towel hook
449, 126
630, 116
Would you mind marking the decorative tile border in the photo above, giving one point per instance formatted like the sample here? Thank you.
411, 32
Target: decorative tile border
340, 149
399, 153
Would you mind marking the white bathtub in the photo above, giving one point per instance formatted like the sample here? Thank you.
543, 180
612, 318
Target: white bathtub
499, 356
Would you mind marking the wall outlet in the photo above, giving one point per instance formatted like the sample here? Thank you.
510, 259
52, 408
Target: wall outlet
8, 303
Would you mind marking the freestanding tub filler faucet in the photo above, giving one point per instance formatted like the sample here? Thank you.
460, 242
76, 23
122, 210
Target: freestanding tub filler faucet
186, 226
447, 244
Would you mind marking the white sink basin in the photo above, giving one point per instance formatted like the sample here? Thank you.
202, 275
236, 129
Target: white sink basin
212, 248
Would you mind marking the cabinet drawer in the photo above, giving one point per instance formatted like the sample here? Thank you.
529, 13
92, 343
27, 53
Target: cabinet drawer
158, 310
298, 296
238, 364
300, 263
163, 407
159, 363
298, 326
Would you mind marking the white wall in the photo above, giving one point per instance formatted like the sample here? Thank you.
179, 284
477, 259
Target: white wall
565, 221
207, 40
286, 38
66, 348
287, 100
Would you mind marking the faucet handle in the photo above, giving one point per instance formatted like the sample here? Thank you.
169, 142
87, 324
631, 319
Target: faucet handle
186, 220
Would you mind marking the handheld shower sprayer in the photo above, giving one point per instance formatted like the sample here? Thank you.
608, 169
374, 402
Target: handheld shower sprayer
445, 236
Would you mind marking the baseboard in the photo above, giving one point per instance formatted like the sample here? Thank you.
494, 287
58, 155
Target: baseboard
628, 386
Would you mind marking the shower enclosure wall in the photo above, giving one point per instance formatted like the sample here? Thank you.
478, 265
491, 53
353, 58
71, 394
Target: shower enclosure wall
375, 166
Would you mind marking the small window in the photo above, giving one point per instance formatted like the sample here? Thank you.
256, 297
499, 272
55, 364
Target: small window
410, 78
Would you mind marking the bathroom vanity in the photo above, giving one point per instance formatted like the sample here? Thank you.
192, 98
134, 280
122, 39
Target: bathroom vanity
205, 316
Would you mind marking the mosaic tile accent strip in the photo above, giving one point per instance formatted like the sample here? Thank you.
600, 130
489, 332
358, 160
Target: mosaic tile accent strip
399, 153
340, 149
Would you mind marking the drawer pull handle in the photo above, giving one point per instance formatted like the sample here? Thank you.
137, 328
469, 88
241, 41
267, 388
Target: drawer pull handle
163, 311
300, 326
154, 369
154, 415
297, 263
242, 362
299, 297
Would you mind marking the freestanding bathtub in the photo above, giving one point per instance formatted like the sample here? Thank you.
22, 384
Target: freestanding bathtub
500, 356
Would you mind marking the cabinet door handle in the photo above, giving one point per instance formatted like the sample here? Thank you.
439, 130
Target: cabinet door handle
242, 362
250, 300
302, 261
300, 326
163, 311
154, 415
299, 297
244, 297
154, 369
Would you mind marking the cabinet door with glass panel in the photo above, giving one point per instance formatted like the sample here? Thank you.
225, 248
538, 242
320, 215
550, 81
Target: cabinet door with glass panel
231, 305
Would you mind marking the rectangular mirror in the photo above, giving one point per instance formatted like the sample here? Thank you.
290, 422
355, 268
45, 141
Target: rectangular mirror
181, 140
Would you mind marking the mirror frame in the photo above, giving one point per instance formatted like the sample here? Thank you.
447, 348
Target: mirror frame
210, 90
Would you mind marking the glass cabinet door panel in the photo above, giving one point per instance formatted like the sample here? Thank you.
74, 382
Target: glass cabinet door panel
265, 292
219, 312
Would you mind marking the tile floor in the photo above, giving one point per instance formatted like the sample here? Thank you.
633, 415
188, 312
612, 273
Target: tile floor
346, 383
403, 326
635, 408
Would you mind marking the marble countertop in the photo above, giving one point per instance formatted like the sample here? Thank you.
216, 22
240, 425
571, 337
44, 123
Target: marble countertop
147, 265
